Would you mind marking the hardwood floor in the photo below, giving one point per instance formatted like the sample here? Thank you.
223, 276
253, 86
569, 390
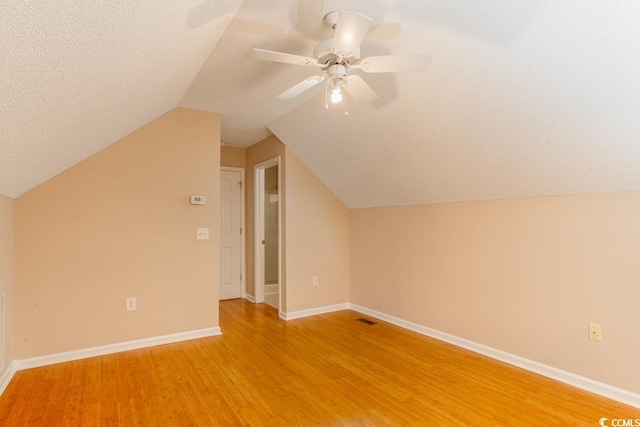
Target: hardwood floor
324, 370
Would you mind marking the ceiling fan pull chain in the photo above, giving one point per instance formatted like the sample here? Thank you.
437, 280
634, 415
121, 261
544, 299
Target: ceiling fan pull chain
346, 98
326, 96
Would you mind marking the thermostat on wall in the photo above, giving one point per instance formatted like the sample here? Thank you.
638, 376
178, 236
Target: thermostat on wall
197, 200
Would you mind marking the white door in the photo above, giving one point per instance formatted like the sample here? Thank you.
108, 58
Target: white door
230, 234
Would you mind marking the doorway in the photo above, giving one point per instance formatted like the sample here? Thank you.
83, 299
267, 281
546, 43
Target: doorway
231, 232
267, 248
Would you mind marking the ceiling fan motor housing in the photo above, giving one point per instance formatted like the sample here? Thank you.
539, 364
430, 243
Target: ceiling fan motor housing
323, 52
337, 75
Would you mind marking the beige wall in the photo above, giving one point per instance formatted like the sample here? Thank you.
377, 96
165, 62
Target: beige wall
317, 240
233, 156
315, 232
120, 225
6, 276
524, 276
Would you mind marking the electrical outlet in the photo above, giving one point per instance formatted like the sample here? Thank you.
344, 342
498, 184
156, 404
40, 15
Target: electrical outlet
315, 280
595, 332
202, 234
131, 304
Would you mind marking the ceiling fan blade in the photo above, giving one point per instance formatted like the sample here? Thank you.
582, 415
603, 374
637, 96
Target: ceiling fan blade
382, 32
286, 58
350, 30
359, 89
304, 85
395, 63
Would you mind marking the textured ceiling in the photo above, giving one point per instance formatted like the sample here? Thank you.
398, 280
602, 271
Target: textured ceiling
77, 76
524, 98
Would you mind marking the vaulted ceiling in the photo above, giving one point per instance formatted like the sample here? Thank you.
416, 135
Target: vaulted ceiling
524, 98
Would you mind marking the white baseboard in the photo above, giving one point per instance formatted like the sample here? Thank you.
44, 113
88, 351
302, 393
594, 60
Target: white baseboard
313, 311
250, 298
84, 353
6, 376
606, 390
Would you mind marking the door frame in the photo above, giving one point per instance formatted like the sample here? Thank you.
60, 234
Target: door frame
243, 227
258, 235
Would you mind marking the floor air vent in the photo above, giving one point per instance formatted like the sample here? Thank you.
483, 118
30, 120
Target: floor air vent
366, 321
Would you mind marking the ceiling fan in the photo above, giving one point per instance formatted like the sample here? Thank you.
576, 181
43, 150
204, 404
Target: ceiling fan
337, 57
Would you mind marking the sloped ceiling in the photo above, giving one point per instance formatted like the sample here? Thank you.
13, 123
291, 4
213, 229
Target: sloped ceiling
77, 76
524, 98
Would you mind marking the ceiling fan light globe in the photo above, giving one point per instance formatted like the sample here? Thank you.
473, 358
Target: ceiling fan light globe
336, 95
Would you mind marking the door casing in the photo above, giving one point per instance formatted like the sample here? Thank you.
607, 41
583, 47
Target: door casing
258, 275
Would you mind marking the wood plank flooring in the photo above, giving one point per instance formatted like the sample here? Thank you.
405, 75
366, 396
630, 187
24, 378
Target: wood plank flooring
326, 370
